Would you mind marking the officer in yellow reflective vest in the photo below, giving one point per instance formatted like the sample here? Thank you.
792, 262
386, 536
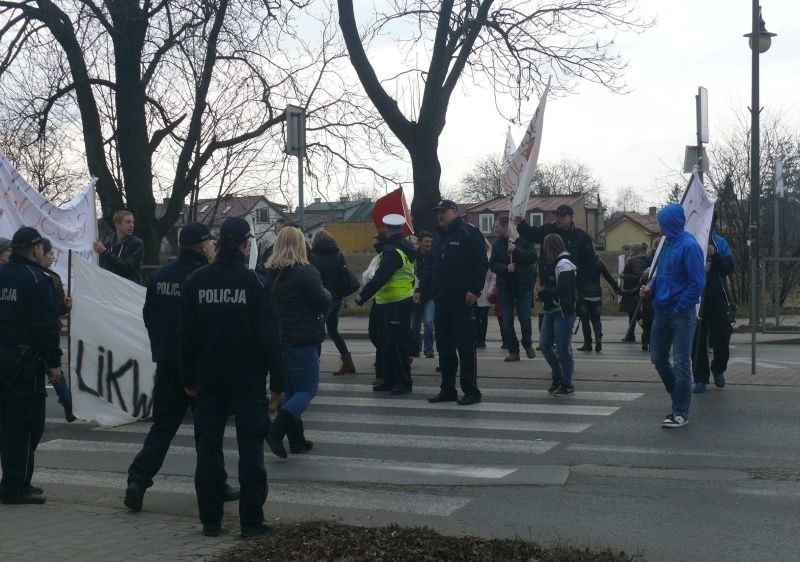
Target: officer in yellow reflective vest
390, 317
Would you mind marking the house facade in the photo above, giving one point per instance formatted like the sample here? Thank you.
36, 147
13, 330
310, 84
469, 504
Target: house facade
541, 210
348, 220
630, 228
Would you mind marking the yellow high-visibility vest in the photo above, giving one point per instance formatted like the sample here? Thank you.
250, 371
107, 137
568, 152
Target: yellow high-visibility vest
401, 285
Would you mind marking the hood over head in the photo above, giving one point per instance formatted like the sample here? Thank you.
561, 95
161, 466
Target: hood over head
672, 220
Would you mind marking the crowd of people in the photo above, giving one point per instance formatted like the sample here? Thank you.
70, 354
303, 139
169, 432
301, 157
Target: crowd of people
221, 334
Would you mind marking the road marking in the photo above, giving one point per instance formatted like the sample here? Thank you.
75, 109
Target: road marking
758, 363
654, 451
421, 404
497, 392
306, 493
326, 418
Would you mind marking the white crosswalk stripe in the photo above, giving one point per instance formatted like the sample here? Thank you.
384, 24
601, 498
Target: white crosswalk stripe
401, 442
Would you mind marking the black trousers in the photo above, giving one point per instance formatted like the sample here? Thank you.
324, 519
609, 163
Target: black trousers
455, 340
713, 330
22, 400
170, 404
248, 403
395, 341
481, 323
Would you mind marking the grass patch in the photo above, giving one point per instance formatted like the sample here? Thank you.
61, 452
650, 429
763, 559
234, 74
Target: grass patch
318, 540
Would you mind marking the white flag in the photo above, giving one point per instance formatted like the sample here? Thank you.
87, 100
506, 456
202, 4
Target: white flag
518, 175
112, 370
698, 208
253, 262
508, 151
73, 226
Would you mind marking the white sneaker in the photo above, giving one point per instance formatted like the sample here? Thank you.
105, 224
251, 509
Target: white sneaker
674, 420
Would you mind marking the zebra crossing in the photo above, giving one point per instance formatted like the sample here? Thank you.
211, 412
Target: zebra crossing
372, 452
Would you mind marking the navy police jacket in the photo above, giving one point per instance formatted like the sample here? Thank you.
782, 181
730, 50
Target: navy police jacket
28, 310
228, 329
162, 304
457, 263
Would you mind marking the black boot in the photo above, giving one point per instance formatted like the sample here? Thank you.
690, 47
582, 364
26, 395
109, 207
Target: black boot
280, 425
587, 346
598, 346
297, 439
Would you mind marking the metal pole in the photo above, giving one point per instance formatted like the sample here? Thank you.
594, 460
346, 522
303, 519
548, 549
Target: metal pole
301, 211
754, 186
777, 271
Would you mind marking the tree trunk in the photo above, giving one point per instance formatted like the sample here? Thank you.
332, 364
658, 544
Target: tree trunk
427, 173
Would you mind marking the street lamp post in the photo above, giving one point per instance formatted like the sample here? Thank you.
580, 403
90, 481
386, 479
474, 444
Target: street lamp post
760, 41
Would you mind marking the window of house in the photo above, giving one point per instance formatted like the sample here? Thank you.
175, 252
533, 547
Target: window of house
486, 223
226, 209
204, 208
536, 219
262, 215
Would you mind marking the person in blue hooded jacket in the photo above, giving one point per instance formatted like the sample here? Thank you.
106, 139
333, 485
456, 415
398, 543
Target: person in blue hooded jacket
675, 290
715, 327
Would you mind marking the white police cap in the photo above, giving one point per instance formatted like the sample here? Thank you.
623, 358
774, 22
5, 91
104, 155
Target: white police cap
394, 221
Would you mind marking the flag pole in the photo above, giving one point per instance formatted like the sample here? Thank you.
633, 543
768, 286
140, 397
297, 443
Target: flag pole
69, 319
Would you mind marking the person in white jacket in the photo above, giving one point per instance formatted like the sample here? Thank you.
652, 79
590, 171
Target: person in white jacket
483, 305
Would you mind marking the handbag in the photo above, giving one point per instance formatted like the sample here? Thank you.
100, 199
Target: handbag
348, 282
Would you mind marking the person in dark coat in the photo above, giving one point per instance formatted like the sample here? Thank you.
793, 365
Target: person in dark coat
513, 263
590, 302
29, 351
330, 262
302, 303
454, 277
229, 340
422, 315
577, 241
631, 273
121, 252
161, 312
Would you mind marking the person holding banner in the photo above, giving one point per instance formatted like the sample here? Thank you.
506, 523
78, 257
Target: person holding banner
5, 250
675, 288
455, 278
715, 323
121, 251
29, 350
161, 311
229, 339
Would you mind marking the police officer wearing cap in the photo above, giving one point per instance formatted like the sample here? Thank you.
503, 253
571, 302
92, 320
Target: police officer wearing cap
161, 310
229, 338
578, 242
393, 289
29, 350
454, 276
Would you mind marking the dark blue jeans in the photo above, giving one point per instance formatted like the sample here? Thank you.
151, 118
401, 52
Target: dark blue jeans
674, 330
302, 380
519, 302
557, 328
332, 325
422, 315
589, 312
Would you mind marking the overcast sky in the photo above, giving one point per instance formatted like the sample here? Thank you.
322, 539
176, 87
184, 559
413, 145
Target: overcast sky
638, 139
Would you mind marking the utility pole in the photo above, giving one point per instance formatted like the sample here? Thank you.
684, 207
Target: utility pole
296, 146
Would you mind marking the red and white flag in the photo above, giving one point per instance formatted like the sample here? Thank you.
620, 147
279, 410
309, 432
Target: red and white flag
392, 203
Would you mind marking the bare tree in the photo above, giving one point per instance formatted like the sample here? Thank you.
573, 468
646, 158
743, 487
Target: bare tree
729, 178
483, 181
628, 200
512, 45
162, 90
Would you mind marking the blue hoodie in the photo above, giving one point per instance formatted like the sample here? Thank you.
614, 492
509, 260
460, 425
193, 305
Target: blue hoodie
680, 275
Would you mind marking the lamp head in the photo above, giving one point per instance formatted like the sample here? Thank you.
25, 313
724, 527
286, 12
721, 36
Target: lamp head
764, 37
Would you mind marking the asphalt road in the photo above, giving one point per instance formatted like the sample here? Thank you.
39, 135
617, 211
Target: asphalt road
595, 468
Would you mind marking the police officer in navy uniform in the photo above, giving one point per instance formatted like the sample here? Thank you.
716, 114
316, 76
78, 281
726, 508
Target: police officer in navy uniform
162, 307
29, 350
229, 339
454, 276
393, 289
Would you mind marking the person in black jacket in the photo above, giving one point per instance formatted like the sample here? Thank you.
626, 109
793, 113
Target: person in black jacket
590, 302
631, 274
422, 314
302, 305
558, 297
229, 338
161, 311
331, 263
454, 278
578, 242
121, 251
29, 349
513, 263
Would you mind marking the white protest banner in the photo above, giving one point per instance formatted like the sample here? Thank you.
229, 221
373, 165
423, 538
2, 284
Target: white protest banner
518, 175
698, 208
73, 226
508, 156
110, 362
